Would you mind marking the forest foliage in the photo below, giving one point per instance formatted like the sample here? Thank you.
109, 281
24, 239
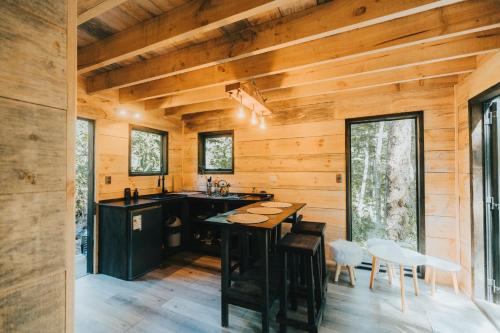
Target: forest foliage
218, 152
383, 181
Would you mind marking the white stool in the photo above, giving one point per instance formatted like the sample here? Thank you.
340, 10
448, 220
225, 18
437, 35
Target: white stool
433, 263
379, 241
347, 254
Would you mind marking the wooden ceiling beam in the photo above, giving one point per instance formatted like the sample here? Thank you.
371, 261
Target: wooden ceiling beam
97, 10
179, 24
399, 75
316, 22
453, 20
450, 48
222, 104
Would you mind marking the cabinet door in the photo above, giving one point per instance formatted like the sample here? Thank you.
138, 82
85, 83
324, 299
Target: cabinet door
146, 240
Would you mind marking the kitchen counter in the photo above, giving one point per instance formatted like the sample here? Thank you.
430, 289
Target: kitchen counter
152, 199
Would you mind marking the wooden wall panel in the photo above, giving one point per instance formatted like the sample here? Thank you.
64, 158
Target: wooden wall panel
485, 76
36, 307
112, 144
35, 262
302, 151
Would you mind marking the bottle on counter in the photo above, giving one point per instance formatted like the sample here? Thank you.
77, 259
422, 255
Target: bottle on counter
136, 195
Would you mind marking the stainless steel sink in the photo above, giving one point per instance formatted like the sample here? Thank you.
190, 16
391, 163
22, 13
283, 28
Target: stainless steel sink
165, 196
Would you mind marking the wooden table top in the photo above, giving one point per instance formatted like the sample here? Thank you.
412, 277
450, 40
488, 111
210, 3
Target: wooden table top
273, 221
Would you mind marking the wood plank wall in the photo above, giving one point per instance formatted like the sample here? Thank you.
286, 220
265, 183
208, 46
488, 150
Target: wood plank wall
112, 144
303, 149
480, 80
35, 272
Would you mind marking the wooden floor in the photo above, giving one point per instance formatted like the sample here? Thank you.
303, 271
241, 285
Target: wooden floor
185, 297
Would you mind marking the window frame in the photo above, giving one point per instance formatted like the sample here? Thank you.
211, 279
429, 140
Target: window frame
202, 136
163, 151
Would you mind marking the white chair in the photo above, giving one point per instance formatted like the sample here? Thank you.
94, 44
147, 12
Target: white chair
433, 263
348, 254
379, 241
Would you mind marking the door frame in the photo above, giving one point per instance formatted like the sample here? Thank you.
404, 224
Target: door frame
477, 187
418, 116
91, 204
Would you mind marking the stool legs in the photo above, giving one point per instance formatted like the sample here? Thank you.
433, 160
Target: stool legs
337, 272
390, 273
310, 292
402, 281
415, 279
372, 274
351, 275
433, 282
284, 290
455, 281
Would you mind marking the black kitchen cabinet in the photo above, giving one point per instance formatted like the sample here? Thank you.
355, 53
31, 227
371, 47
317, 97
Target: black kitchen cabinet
130, 238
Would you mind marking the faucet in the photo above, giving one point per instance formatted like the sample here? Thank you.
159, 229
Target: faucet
161, 178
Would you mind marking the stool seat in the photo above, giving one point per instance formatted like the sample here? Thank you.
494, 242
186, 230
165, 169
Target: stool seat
346, 253
300, 243
441, 264
310, 228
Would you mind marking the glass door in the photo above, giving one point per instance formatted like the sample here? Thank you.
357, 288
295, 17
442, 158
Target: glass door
492, 198
84, 197
385, 179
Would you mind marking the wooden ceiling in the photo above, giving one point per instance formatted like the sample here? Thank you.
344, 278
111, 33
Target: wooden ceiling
178, 55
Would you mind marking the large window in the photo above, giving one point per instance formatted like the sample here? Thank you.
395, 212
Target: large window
148, 151
385, 179
215, 152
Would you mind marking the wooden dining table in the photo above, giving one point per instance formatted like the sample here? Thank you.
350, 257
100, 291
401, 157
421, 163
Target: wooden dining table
263, 231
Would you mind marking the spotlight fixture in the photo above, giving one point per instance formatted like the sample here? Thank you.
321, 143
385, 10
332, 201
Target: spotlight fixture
241, 109
262, 122
253, 120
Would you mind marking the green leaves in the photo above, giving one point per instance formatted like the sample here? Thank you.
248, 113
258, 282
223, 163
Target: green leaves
145, 152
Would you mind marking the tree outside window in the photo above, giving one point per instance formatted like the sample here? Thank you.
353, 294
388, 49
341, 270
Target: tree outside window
216, 152
148, 150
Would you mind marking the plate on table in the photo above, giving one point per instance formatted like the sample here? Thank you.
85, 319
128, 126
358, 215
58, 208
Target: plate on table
275, 204
264, 210
247, 218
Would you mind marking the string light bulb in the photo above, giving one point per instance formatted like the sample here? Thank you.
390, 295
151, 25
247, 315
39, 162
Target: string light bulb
253, 121
241, 109
262, 122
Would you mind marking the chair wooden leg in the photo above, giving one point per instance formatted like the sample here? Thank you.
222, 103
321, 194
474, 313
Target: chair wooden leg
455, 281
351, 275
433, 282
372, 274
390, 273
337, 272
415, 280
402, 282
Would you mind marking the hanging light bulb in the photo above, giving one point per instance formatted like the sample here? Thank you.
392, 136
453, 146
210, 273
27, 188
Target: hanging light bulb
122, 112
253, 121
262, 122
241, 109
137, 115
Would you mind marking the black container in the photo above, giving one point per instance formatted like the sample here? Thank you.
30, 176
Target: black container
136, 195
126, 194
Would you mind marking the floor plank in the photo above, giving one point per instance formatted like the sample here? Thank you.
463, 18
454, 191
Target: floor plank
184, 296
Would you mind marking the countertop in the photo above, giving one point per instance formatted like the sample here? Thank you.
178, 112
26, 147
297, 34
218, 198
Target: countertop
148, 200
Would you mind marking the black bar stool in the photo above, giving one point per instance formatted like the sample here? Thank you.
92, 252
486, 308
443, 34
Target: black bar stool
306, 248
315, 229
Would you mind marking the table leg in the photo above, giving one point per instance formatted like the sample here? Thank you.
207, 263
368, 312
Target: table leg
265, 280
284, 290
374, 268
415, 279
402, 281
389, 273
225, 278
433, 282
455, 282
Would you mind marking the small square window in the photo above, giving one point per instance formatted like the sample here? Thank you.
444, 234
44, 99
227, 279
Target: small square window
148, 151
215, 152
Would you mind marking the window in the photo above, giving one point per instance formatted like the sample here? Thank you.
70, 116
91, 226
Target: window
148, 151
215, 152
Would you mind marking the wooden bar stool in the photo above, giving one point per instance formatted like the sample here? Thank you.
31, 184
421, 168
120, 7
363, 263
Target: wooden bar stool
315, 229
305, 247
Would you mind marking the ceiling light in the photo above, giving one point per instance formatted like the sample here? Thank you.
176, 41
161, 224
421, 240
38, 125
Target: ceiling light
122, 112
262, 122
241, 109
253, 120
137, 115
